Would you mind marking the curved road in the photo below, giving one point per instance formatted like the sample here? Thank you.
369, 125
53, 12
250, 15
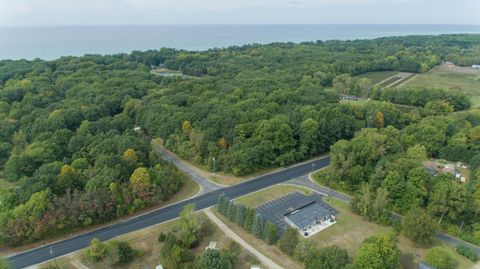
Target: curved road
206, 200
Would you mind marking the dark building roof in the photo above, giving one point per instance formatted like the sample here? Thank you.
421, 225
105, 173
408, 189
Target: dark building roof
310, 214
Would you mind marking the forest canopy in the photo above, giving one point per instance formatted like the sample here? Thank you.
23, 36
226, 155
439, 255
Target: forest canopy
67, 138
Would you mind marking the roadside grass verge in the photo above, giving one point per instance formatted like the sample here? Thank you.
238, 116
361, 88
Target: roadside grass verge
4, 184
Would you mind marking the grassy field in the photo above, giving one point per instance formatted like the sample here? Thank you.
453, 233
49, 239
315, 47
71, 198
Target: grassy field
349, 231
164, 72
376, 77
146, 239
450, 77
5, 184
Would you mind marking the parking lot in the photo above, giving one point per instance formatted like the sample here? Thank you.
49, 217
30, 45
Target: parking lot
275, 210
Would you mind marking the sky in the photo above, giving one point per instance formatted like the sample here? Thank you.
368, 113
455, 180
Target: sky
140, 12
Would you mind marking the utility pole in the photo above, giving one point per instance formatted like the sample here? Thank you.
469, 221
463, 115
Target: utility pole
213, 158
54, 260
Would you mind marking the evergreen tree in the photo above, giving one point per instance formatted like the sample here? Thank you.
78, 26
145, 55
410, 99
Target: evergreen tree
249, 219
221, 202
257, 228
232, 211
240, 216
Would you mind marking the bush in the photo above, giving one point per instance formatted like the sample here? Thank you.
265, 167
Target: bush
161, 237
96, 252
327, 258
467, 252
123, 253
439, 258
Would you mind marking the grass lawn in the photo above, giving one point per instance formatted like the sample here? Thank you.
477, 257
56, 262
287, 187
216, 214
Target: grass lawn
349, 231
146, 239
265, 195
165, 72
454, 78
4, 184
376, 77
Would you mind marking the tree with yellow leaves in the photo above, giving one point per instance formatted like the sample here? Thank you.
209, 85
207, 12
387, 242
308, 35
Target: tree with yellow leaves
130, 155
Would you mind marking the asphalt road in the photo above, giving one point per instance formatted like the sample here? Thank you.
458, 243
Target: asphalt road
69, 245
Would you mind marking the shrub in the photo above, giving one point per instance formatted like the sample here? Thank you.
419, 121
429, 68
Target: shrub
96, 252
161, 237
332, 257
439, 258
467, 252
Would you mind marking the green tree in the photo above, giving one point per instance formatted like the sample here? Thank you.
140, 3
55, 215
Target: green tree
439, 258
271, 233
378, 252
439, 107
232, 211
258, 226
332, 257
448, 198
303, 249
214, 259
240, 215
249, 220
96, 252
288, 241
189, 225
419, 226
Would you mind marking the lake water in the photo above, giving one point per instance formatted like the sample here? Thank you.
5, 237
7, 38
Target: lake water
55, 41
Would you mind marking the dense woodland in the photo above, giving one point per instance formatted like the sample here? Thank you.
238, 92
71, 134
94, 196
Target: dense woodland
66, 132
384, 168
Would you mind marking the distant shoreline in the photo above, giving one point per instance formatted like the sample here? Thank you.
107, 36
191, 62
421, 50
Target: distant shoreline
52, 42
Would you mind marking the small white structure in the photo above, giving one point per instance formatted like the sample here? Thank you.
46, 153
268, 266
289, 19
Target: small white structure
463, 179
255, 267
136, 128
212, 245
476, 66
159, 267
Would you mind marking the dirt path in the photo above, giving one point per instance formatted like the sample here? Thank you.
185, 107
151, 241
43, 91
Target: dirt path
263, 259
79, 265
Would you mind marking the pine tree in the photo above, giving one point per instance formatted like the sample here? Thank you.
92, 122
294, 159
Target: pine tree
221, 202
232, 211
240, 216
249, 217
257, 228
